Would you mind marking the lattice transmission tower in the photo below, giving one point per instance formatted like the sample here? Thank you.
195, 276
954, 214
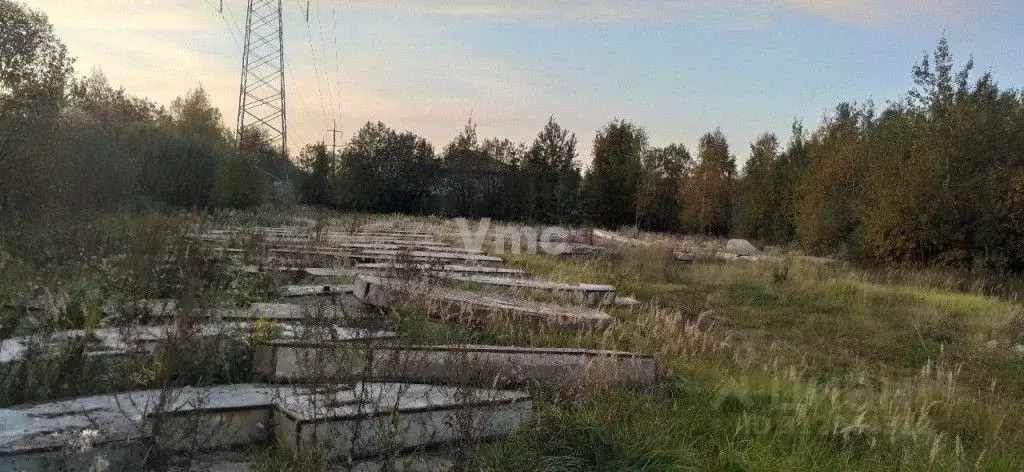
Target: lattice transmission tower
261, 97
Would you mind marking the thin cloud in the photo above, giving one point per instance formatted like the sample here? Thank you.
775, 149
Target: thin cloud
878, 12
741, 15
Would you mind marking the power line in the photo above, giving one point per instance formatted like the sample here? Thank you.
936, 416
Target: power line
323, 46
316, 69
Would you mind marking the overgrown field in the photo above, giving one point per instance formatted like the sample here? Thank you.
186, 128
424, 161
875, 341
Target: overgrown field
764, 366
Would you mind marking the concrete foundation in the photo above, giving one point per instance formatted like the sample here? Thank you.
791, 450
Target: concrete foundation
372, 418
429, 269
584, 294
364, 419
482, 366
470, 307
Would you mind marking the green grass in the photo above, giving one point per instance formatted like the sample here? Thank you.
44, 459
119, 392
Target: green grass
789, 366
765, 366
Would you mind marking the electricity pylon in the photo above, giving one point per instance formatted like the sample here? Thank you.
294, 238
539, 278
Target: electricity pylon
261, 97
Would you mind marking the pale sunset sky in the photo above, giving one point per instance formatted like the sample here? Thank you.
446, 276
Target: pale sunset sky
678, 68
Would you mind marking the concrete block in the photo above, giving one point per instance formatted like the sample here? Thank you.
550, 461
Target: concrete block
112, 431
586, 294
133, 340
428, 269
611, 236
372, 418
481, 366
315, 290
741, 247
77, 434
470, 307
684, 256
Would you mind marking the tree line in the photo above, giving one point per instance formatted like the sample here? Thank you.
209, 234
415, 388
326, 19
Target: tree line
934, 177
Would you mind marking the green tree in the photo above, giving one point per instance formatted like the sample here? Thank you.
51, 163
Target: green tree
829, 196
757, 200
708, 191
552, 176
789, 170
514, 201
34, 70
658, 198
320, 175
384, 171
611, 183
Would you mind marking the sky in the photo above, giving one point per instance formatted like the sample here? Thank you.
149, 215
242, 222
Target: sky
677, 68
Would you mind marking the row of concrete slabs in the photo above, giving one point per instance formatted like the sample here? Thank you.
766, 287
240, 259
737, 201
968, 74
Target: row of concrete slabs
357, 420
370, 391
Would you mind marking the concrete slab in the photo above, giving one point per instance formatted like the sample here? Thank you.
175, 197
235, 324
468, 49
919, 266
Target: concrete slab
306, 238
235, 461
372, 418
76, 434
687, 257
145, 339
386, 255
741, 247
360, 420
314, 290
441, 269
270, 311
728, 256
585, 294
580, 250
471, 307
482, 366
611, 236
330, 272
626, 301
358, 245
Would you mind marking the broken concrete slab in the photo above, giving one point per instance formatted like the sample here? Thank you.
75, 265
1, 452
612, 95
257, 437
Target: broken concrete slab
125, 341
741, 247
475, 259
256, 311
330, 272
29, 303
387, 245
626, 301
684, 256
471, 307
428, 269
372, 418
112, 341
728, 256
359, 420
610, 236
314, 290
586, 294
237, 461
396, 233
385, 255
482, 366
311, 238
76, 434
580, 250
